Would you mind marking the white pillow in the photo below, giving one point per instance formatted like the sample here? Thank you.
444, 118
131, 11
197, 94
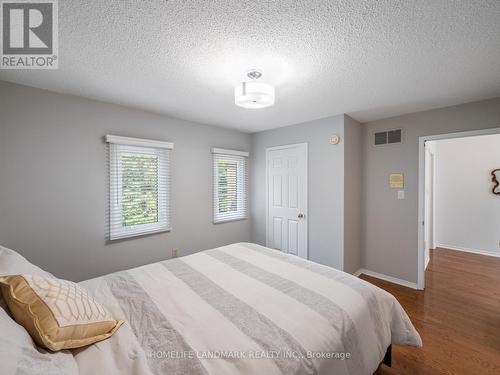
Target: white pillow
20, 355
12, 263
18, 352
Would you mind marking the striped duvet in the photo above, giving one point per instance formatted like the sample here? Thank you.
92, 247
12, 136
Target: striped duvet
244, 309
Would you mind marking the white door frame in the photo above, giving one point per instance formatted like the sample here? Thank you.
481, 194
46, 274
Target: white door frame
432, 200
421, 190
429, 199
306, 212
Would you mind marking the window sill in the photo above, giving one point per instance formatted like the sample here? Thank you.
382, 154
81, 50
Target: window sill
229, 220
124, 236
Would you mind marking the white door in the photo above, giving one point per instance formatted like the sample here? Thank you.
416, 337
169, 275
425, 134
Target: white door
287, 199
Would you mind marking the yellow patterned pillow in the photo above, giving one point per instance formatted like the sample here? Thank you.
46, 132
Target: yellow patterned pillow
58, 314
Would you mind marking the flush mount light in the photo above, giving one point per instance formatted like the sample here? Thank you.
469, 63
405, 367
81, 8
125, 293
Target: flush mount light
252, 94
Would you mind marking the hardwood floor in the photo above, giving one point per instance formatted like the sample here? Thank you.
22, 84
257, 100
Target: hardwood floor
457, 316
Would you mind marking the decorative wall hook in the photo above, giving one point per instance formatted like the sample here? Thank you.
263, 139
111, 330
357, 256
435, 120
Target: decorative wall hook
496, 181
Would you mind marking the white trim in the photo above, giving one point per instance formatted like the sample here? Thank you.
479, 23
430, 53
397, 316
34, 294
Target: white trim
358, 272
430, 159
421, 190
140, 142
282, 147
224, 151
390, 279
137, 234
306, 212
427, 260
468, 250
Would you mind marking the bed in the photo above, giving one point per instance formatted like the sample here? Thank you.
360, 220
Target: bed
243, 309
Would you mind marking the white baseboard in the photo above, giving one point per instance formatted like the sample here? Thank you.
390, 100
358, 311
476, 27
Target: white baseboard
358, 272
381, 276
468, 250
427, 260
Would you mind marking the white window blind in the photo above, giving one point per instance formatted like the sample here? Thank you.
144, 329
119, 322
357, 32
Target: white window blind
230, 185
139, 178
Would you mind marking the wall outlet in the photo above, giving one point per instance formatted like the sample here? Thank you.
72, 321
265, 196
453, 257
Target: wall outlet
175, 253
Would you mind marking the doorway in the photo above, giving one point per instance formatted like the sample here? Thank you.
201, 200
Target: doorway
426, 189
286, 199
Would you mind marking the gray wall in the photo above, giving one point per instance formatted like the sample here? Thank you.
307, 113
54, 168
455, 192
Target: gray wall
53, 182
390, 231
53, 190
353, 151
325, 185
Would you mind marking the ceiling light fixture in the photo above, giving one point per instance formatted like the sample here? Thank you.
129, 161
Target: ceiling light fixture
252, 94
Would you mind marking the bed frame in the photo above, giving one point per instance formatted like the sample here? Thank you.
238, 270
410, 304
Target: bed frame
388, 357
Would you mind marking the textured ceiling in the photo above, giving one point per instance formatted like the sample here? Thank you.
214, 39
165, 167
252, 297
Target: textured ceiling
370, 59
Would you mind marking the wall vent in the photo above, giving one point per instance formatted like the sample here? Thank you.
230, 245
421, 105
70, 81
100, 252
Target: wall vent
388, 137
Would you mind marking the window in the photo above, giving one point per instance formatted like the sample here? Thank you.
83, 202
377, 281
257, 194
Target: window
139, 176
230, 185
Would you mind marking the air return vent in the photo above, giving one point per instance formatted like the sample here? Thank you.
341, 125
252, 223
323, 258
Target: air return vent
388, 137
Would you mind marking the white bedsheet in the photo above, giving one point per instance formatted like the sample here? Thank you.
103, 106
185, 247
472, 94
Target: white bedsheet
247, 309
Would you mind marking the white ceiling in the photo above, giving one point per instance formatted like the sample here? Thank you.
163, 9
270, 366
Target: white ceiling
370, 59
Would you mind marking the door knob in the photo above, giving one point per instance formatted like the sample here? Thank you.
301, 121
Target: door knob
301, 216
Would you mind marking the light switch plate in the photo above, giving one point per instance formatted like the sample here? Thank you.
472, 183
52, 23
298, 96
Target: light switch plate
401, 194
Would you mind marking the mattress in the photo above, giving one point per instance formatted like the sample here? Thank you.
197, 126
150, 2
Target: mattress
244, 309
